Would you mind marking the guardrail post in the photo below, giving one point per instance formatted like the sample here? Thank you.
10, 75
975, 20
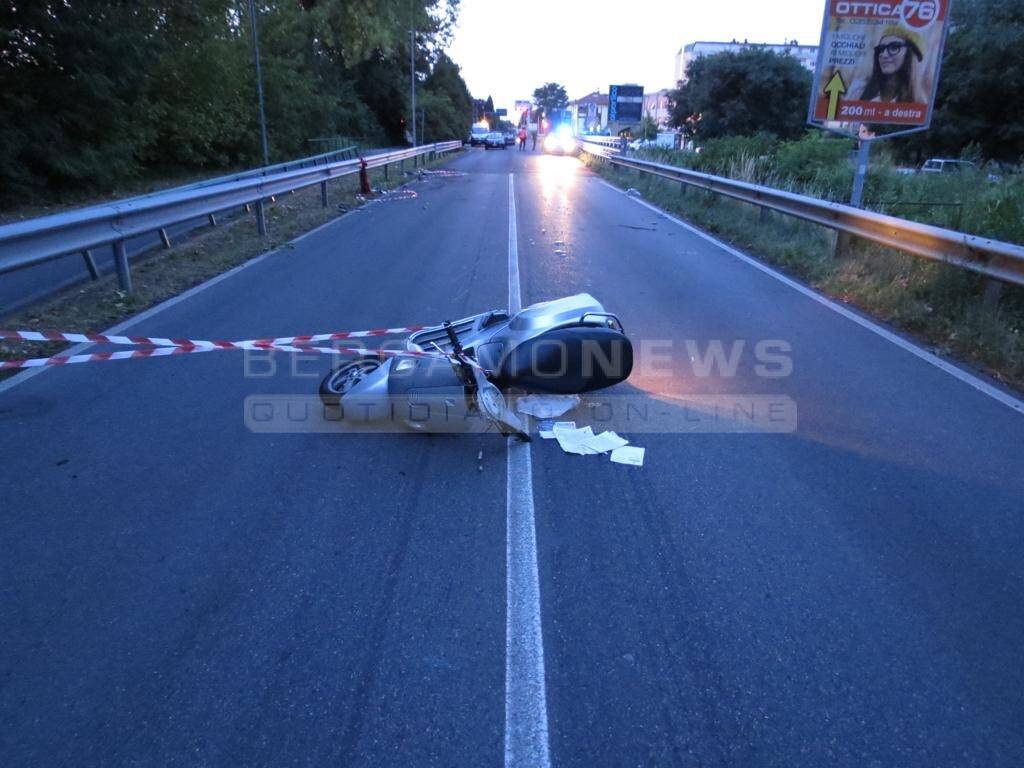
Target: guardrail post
90, 264
843, 239
213, 220
385, 171
401, 166
164, 238
261, 219
323, 194
124, 275
993, 290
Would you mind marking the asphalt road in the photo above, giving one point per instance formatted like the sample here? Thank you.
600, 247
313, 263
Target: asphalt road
847, 590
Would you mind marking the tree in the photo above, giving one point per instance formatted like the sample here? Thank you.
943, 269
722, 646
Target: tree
978, 99
648, 127
448, 105
742, 93
550, 96
94, 92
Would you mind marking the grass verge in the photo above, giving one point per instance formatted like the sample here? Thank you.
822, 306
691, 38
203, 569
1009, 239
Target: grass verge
942, 306
159, 275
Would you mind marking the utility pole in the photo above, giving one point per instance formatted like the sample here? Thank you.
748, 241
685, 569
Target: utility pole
259, 80
412, 79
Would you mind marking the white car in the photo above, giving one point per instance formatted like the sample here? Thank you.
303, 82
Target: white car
942, 165
642, 143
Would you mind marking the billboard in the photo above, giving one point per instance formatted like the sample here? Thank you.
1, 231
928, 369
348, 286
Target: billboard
879, 62
625, 103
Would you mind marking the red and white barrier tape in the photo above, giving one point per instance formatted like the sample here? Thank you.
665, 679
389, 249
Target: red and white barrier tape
97, 357
164, 347
99, 338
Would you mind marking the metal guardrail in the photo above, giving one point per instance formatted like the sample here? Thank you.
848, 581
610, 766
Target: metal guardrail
993, 258
345, 153
27, 243
611, 142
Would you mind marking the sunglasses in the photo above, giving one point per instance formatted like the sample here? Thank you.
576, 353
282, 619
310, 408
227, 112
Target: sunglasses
890, 48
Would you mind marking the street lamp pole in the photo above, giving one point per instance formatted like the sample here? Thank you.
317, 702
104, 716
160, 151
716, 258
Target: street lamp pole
259, 80
412, 79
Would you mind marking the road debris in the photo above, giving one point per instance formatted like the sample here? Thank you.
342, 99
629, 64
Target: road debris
629, 454
606, 441
546, 406
546, 429
440, 172
583, 442
571, 440
633, 192
386, 196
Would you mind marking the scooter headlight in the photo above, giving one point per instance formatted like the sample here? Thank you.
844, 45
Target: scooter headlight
550, 143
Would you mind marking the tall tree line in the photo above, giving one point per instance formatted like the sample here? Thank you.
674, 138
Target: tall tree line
93, 92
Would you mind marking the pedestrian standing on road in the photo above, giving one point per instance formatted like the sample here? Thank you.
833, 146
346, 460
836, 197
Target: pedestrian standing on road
522, 139
533, 138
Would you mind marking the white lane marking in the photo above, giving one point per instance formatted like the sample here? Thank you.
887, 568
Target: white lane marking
515, 296
145, 315
526, 708
953, 370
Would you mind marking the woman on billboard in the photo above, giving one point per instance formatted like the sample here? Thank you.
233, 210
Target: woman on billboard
893, 75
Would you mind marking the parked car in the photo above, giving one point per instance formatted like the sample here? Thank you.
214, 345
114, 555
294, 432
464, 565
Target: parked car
510, 138
494, 140
943, 165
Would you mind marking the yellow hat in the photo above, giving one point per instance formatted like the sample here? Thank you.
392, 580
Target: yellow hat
912, 38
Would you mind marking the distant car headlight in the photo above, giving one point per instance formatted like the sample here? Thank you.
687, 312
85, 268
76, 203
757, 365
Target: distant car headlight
550, 142
568, 143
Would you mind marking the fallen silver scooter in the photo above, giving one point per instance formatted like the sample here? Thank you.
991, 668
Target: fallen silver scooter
566, 346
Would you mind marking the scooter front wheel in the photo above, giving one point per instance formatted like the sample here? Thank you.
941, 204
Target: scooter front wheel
341, 380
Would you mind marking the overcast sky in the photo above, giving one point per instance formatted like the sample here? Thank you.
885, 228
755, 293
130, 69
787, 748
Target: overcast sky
506, 48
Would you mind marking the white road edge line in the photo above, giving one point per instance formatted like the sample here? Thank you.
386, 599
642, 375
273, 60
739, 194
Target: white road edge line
526, 709
953, 370
120, 328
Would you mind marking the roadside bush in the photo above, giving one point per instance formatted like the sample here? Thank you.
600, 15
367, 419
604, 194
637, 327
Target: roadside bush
816, 159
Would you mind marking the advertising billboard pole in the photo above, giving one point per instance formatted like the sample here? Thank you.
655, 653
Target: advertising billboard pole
863, 153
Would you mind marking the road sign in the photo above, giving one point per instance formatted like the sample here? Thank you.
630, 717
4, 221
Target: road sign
878, 63
625, 103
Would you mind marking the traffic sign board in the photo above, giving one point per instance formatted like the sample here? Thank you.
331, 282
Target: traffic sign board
625, 103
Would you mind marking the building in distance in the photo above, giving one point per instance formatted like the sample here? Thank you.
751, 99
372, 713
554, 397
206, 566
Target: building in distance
807, 55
